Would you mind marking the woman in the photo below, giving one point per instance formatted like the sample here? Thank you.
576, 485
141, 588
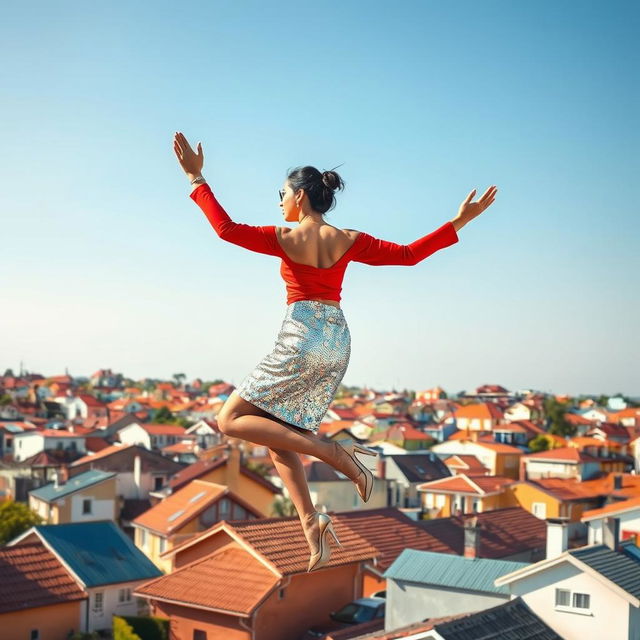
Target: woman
281, 403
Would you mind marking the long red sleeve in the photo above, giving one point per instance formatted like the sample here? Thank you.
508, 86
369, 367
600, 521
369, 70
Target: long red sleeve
259, 239
378, 252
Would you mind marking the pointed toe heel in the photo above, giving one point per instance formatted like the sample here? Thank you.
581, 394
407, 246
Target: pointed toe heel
322, 556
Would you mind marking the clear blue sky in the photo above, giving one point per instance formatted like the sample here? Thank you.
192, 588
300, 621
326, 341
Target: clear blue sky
108, 263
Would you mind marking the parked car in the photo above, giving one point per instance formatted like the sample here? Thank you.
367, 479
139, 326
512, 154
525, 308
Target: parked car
360, 610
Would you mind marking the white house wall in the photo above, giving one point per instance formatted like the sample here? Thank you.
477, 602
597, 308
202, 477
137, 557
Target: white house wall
100, 509
409, 602
111, 606
607, 611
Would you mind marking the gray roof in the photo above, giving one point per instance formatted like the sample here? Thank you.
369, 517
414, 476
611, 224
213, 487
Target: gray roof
49, 493
421, 467
512, 620
455, 572
621, 567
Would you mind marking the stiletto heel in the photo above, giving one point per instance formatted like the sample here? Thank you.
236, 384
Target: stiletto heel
321, 557
333, 533
350, 447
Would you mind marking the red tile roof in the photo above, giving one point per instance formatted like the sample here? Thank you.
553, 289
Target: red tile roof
570, 489
103, 453
504, 532
461, 483
465, 461
614, 508
31, 576
281, 542
564, 454
163, 429
218, 586
179, 508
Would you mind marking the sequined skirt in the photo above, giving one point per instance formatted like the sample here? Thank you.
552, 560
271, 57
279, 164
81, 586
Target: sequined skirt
297, 380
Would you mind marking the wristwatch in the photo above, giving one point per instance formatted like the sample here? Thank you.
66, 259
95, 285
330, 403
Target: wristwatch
198, 180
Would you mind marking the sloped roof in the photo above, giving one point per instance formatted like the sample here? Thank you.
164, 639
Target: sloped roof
563, 454
620, 567
212, 582
172, 513
49, 492
198, 469
421, 467
97, 552
282, 543
615, 508
31, 576
452, 571
503, 532
461, 483
512, 620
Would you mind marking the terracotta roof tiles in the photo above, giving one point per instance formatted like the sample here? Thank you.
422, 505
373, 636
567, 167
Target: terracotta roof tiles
31, 576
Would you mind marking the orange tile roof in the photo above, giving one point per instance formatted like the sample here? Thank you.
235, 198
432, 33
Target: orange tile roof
281, 542
564, 454
498, 447
461, 483
163, 429
103, 453
31, 576
466, 461
570, 489
174, 511
218, 586
632, 504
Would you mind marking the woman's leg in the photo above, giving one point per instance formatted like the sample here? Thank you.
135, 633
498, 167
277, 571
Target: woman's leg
290, 469
241, 419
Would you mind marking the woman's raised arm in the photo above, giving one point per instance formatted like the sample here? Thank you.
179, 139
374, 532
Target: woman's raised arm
258, 239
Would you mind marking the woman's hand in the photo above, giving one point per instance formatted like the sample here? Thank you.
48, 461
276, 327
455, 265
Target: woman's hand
469, 210
190, 161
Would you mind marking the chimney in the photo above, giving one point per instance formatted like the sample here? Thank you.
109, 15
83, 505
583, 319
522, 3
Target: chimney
233, 465
137, 475
557, 536
617, 482
381, 470
472, 538
611, 533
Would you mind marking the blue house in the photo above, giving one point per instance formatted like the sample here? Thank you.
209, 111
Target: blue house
103, 561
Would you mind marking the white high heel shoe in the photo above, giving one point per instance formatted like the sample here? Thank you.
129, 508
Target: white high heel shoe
351, 447
321, 557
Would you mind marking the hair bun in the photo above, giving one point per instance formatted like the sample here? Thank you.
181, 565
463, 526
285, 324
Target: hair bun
332, 180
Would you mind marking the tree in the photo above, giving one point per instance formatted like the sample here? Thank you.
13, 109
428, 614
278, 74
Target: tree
555, 412
179, 379
16, 518
539, 443
164, 416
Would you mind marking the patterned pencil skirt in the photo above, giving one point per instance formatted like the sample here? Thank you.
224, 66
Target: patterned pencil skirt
297, 380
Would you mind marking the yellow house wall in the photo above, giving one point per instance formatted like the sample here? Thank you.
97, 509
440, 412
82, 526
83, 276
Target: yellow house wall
525, 495
256, 495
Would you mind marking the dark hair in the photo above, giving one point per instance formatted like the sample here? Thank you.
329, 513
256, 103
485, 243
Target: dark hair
318, 186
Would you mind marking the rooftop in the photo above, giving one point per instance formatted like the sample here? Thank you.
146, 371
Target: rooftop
451, 571
50, 492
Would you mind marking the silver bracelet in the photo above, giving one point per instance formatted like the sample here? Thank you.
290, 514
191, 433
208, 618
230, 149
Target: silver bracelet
198, 180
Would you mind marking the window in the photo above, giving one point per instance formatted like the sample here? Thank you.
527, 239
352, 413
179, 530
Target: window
86, 506
124, 595
143, 537
581, 600
35, 634
563, 598
163, 545
98, 601
476, 505
199, 635
157, 483
539, 510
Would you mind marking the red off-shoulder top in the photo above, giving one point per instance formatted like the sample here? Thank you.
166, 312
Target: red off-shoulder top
305, 281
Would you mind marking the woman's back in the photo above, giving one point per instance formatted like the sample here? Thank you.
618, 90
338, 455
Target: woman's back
319, 246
